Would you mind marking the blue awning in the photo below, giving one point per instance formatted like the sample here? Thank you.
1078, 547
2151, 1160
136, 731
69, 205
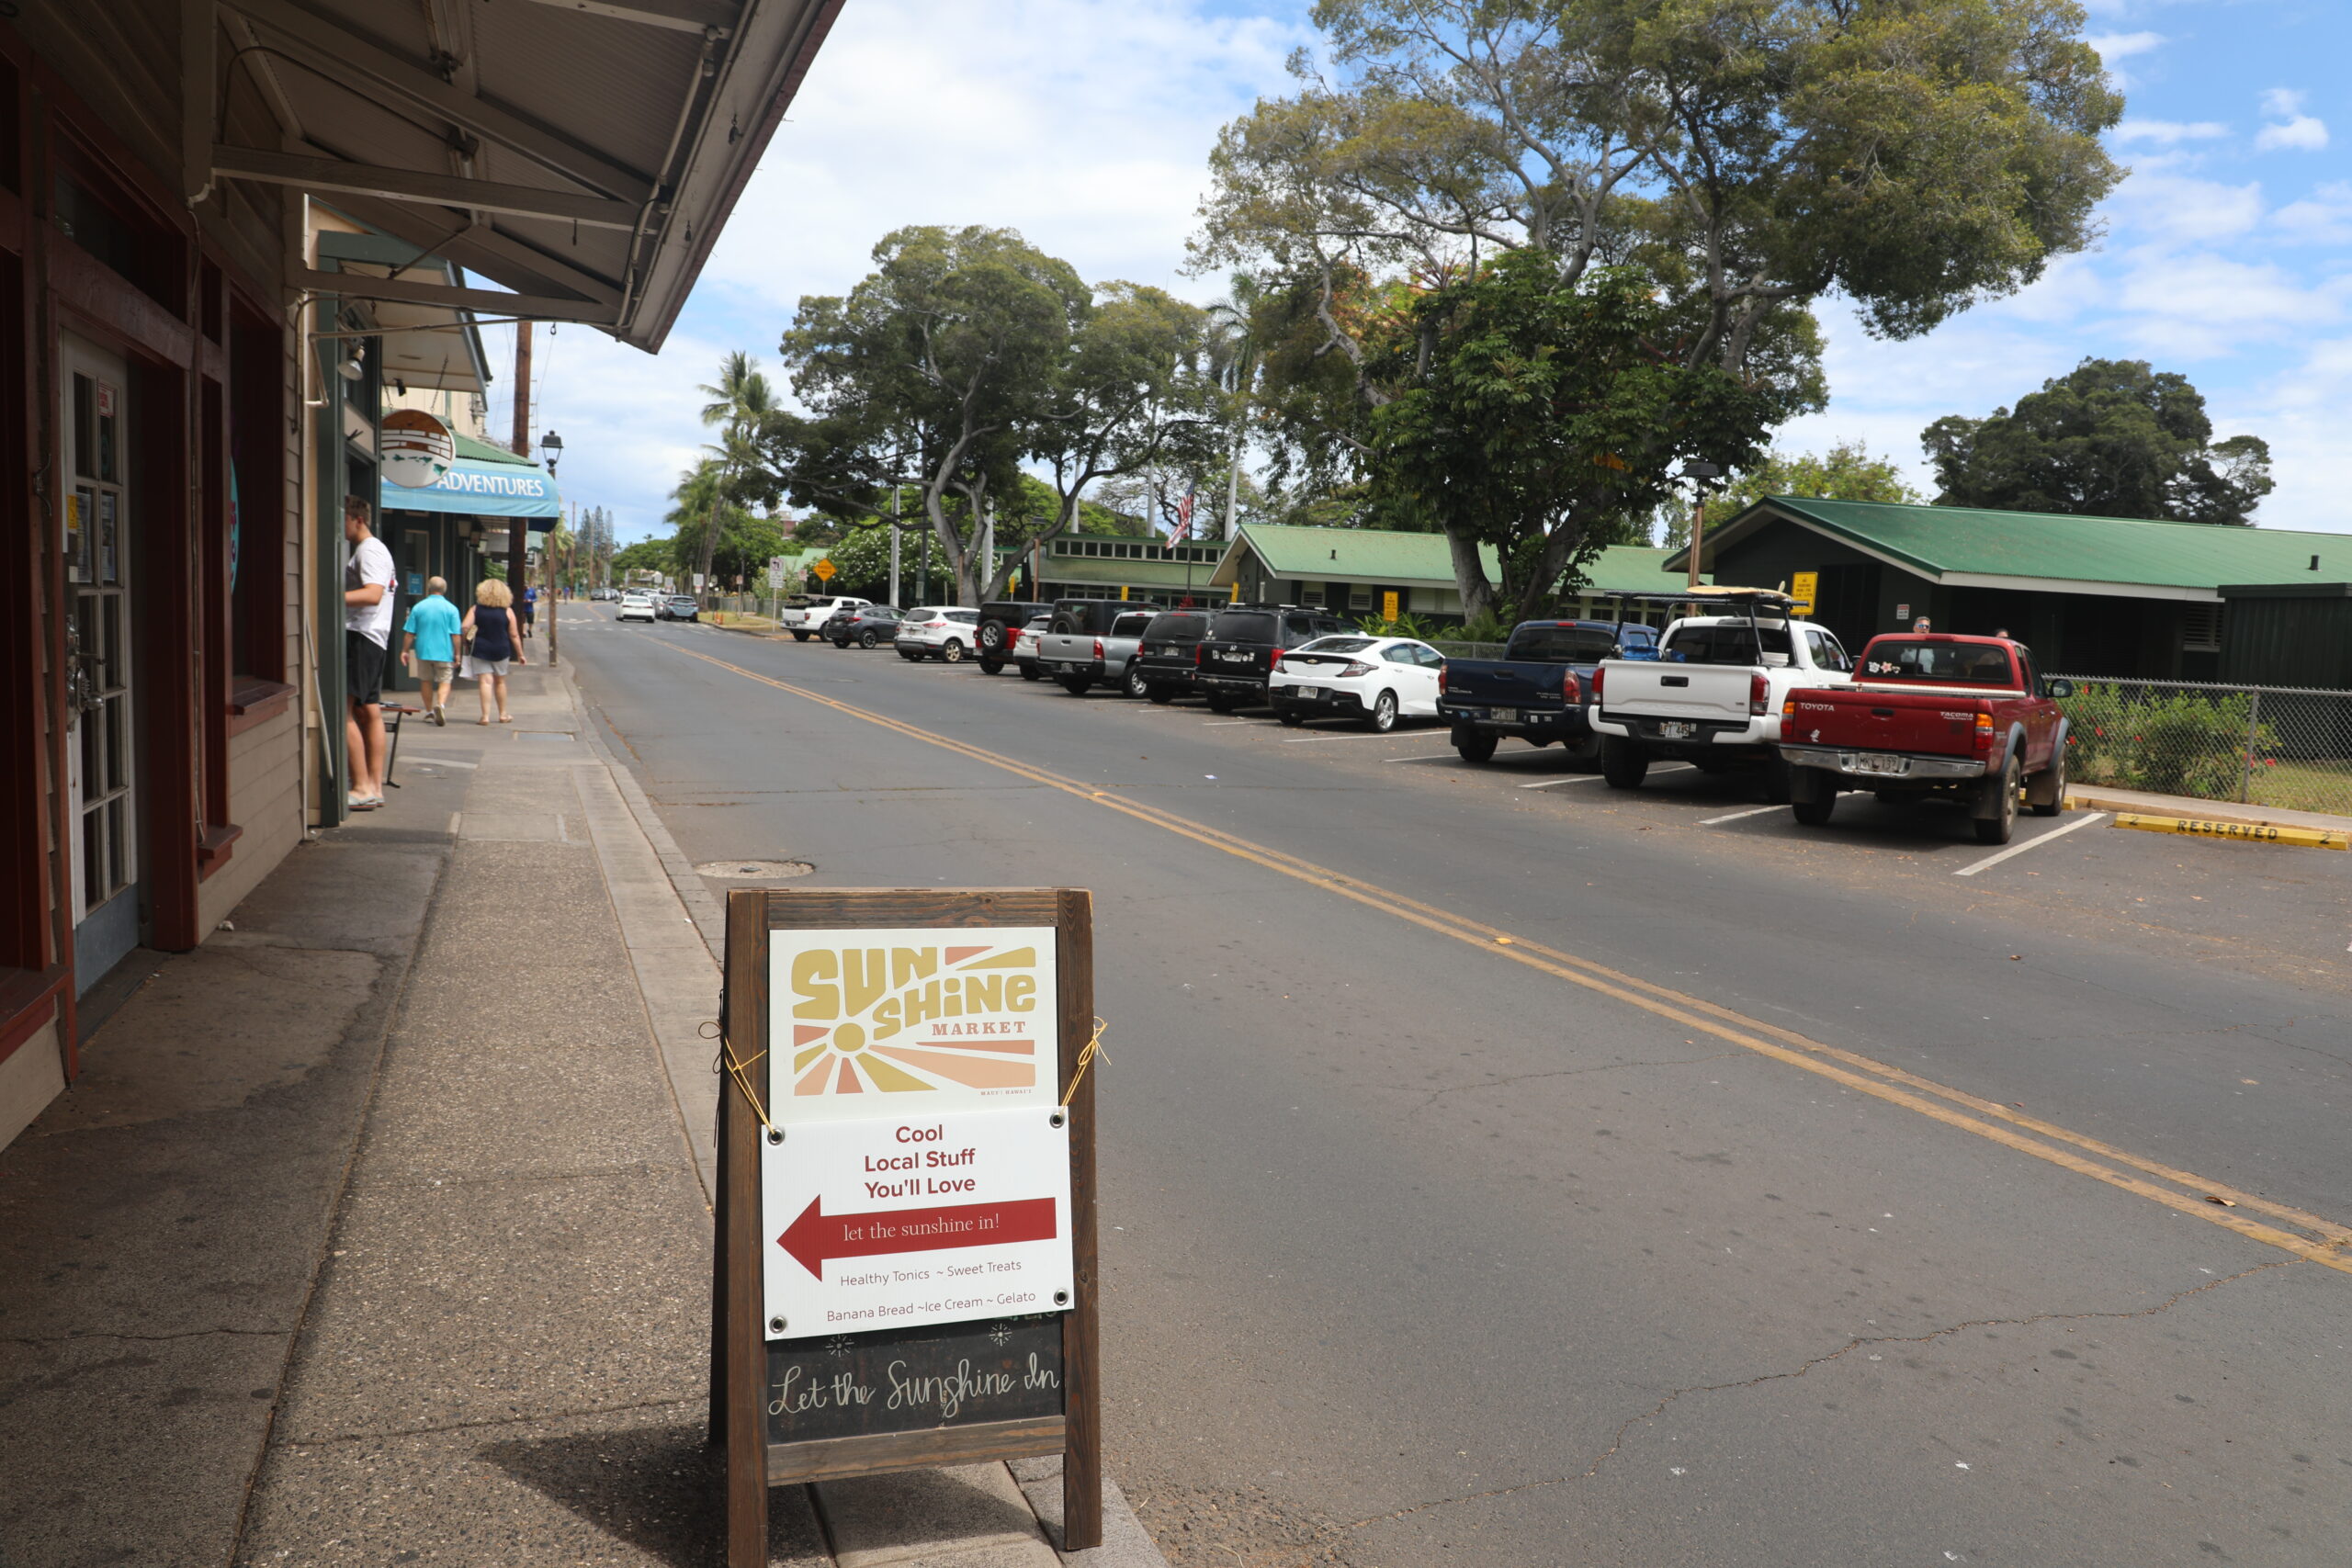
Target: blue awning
478, 489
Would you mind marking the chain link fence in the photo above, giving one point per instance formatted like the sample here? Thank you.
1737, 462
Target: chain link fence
2283, 746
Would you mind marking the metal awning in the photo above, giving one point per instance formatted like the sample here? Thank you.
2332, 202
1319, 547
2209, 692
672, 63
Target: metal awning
583, 153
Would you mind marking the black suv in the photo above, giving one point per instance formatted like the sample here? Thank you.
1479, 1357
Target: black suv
1172, 653
1242, 644
1000, 622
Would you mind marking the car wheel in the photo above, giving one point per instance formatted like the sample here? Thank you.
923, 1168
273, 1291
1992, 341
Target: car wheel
1219, 702
1031, 673
868, 639
953, 653
801, 636
1814, 812
1383, 717
1290, 716
1476, 746
1137, 685
841, 642
1161, 695
2048, 793
1996, 827
909, 655
1621, 764
1076, 685
992, 666
1776, 782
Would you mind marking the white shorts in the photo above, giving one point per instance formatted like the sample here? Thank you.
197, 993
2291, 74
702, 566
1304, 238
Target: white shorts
477, 668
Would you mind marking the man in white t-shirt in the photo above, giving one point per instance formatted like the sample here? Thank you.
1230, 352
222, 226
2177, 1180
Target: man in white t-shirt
367, 633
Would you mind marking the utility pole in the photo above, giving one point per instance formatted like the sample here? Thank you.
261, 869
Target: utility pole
1698, 473
518, 529
555, 586
895, 533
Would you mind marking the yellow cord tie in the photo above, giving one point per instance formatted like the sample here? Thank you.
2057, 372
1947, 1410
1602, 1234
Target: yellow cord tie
1085, 1060
741, 1072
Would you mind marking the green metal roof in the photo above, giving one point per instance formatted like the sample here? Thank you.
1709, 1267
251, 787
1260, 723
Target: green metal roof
483, 452
1940, 542
1378, 556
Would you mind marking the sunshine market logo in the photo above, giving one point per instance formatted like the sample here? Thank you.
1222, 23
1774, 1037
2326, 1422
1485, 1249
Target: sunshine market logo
961, 1017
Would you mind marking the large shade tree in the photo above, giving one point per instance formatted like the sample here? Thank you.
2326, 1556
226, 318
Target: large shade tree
1748, 156
2110, 438
964, 354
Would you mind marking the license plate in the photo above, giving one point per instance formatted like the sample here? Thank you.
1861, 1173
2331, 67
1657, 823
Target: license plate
1875, 762
1506, 715
1232, 658
1065, 668
1309, 693
1676, 730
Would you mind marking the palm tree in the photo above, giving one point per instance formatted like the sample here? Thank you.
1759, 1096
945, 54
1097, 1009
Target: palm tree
739, 402
1232, 347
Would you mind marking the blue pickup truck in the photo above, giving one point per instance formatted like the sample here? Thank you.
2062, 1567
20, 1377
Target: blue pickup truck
1540, 690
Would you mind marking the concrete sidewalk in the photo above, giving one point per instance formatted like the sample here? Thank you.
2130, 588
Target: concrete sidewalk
376, 1229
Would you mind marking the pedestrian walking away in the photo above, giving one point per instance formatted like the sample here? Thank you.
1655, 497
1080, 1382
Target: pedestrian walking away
429, 643
493, 640
367, 633
528, 603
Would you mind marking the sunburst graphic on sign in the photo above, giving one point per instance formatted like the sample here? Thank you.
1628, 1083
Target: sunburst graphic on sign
902, 1020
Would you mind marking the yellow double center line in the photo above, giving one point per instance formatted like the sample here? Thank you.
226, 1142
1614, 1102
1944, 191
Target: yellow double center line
2322, 1241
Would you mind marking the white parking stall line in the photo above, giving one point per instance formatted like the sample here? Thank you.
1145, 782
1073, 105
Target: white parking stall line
1426, 757
1368, 735
1735, 815
1572, 778
1228, 723
1997, 856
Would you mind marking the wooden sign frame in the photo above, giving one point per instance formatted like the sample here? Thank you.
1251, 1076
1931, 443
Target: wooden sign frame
739, 1353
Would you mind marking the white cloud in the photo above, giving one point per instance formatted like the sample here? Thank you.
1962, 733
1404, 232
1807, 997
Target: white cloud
2322, 218
2302, 134
2283, 102
2169, 132
2113, 47
2175, 208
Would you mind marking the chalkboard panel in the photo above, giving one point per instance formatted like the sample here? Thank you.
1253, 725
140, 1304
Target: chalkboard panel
910, 1380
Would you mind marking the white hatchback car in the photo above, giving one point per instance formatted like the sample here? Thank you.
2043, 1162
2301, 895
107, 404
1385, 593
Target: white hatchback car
1374, 680
937, 631
636, 605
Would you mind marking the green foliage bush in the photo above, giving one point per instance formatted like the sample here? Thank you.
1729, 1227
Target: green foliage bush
2191, 743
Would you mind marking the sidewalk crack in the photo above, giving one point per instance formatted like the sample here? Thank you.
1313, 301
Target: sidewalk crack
486, 1421
1654, 1412
142, 1338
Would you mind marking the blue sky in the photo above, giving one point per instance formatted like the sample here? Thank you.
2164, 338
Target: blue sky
1086, 125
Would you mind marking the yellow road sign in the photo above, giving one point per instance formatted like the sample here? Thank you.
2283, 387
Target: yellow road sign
824, 570
2251, 832
1803, 585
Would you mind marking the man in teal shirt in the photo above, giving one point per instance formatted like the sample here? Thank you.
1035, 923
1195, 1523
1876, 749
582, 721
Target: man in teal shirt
431, 645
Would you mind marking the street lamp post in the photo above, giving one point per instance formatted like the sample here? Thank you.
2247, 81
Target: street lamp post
552, 445
1698, 473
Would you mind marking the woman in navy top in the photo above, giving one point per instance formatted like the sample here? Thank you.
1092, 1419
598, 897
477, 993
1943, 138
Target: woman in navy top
494, 640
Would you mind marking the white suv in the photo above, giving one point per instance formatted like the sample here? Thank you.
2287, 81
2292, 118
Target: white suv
802, 619
937, 631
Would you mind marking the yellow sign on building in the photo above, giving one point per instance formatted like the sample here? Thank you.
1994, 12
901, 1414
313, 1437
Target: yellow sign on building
1805, 585
1388, 606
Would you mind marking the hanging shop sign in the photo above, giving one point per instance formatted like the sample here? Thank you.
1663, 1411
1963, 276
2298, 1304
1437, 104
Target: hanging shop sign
906, 1210
417, 449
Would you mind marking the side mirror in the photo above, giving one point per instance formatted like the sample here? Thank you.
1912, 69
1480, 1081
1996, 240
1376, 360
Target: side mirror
2058, 688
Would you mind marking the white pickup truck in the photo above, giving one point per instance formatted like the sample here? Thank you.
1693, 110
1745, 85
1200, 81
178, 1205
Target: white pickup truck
1712, 696
801, 618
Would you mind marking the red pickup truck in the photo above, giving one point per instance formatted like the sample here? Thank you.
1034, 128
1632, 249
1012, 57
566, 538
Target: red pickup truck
1933, 715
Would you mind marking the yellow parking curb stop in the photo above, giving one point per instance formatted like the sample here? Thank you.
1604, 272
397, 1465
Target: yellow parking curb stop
2251, 832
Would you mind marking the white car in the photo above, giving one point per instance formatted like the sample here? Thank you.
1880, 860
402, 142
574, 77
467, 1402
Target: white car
1373, 680
635, 606
802, 618
1025, 643
937, 631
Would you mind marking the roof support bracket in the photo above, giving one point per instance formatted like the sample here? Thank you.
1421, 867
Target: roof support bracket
411, 185
359, 285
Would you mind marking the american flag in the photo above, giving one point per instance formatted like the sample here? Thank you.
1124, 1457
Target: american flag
1183, 518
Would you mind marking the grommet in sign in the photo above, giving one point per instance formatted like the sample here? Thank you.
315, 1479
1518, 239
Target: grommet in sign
1055, 1120
775, 1325
775, 1134
1061, 1298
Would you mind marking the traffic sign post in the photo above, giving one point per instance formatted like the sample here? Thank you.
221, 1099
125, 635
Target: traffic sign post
905, 1272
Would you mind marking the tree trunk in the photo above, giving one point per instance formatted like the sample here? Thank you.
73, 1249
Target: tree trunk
1470, 576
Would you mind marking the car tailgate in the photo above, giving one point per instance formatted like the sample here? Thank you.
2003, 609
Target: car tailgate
1234, 657
1940, 722
1663, 689
1066, 648
1525, 686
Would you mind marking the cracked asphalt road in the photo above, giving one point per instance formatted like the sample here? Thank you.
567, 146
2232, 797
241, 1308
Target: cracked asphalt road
1416, 1255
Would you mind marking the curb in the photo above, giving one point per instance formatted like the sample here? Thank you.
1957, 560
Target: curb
2194, 812
2242, 832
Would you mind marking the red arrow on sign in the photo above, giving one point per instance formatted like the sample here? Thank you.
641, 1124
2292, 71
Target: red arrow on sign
817, 1236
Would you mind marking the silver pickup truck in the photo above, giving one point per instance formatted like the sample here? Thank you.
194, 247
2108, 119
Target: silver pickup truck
1081, 659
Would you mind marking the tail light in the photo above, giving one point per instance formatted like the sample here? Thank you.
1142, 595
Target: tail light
1596, 683
1984, 734
1760, 693
1789, 711
1356, 667
1197, 651
1098, 648
1441, 680
1571, 689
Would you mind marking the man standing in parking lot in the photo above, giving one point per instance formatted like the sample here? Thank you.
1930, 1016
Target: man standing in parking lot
367, 633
